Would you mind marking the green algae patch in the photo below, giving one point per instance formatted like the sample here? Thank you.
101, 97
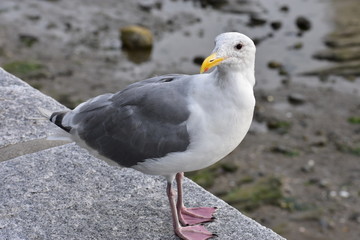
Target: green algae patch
354, 120
206, 177
248, 197
23, 68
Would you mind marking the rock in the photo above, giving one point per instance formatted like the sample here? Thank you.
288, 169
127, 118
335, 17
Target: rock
276, 25
138, 55
324, 184
268, 98
303, 23
297, 46
285, 150
255, 20
136, 37
351, 68
319, 141
344, 194
274, 65
281, 127
62, 192
355, 217
296, 98
147, 5
28, 40
198, 60
339, 54
33, 17
229, 167
309, 167
217, 4
336, 40
283, 72
313, 181
284, 8
286, 81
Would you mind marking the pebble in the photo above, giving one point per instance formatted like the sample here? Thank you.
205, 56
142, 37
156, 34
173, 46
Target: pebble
296, 98
303, 23
274, 65
28, 40
256, 21
198, 60
276, 25
355, 217
269, 98
286, 81
136, 37
323, 183
284, 8
297, 45
309, 167
147, 5
344, 194
319, 141
333, 194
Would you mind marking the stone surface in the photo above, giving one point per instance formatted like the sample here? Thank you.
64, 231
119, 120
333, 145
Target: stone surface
19, 118
64, 193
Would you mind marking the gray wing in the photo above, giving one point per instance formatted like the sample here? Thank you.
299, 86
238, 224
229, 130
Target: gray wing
145, 120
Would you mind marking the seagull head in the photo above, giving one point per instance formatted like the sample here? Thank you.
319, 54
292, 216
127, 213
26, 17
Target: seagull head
232, 50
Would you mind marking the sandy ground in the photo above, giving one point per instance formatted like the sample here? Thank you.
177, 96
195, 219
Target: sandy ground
306, 135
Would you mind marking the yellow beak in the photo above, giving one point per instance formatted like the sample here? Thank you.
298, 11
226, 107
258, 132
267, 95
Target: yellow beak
210, 62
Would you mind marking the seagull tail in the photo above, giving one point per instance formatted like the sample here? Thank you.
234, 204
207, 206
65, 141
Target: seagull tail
58, 134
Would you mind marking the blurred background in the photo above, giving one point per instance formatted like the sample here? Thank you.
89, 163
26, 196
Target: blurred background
298, 170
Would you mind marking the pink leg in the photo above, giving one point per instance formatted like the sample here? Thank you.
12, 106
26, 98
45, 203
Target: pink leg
191, 216
187, 233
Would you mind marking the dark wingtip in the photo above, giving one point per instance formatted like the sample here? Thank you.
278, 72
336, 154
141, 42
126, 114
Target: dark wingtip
57, 118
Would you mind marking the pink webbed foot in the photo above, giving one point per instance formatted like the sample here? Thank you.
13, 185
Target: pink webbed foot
197, 232
192, 216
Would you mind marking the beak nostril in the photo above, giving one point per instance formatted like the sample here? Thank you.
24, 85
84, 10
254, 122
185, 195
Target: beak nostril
210, 62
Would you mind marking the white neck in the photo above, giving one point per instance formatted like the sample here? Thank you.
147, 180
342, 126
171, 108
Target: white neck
230, 76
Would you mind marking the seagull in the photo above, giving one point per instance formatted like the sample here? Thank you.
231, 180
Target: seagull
171, 124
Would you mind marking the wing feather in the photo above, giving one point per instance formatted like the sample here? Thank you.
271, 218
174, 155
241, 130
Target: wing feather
145, 120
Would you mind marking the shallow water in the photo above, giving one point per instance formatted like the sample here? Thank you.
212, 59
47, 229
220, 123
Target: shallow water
83, 48
176, 50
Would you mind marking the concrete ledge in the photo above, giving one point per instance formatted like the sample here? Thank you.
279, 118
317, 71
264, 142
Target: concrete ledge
64, 193
19, 103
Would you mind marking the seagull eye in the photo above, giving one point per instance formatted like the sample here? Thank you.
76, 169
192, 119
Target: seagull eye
238, 46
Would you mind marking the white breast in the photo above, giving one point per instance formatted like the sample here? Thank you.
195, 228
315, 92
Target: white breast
218, 122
